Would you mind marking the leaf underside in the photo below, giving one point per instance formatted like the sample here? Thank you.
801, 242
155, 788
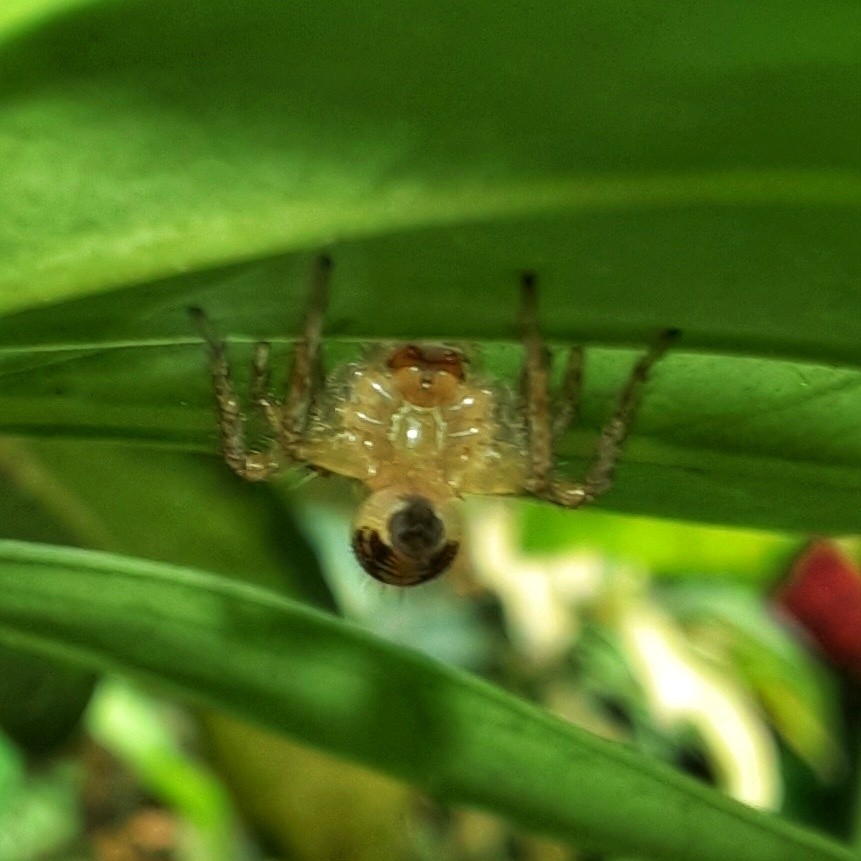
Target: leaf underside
312, 676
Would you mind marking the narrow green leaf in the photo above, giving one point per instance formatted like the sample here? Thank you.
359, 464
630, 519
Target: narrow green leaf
730, 440
298, 671
698, 163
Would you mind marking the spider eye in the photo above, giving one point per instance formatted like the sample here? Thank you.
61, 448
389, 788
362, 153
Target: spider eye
404, 540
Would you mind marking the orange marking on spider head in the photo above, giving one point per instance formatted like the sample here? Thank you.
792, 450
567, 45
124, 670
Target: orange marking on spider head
427, 375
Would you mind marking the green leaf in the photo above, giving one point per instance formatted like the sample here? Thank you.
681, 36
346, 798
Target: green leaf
41, 701
309, 675
686, 165
771, 445
667, 549
704, 155
138, 732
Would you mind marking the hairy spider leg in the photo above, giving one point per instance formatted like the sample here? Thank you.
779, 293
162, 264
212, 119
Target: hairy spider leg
542, 429
250, 464
306, 375
566, 407
287, 421
599, 478
535, 387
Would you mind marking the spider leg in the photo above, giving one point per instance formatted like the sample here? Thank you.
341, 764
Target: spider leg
307, 371
599, 478
261, 394
250, 464
567, 405
535, 385
542, 429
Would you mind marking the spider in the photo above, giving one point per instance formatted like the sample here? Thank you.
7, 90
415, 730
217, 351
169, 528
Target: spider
412, 424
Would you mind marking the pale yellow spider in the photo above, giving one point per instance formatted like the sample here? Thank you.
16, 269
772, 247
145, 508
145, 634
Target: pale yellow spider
412, 424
